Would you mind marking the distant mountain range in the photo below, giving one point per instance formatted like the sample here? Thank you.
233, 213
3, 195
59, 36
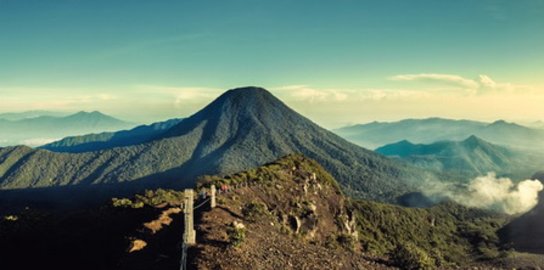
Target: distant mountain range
105, 140
241, 129
432, 130
15, 116
470, 157
30, 129
536, 124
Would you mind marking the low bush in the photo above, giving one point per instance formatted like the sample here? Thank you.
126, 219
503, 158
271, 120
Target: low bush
236, 234
409, 257
253, 210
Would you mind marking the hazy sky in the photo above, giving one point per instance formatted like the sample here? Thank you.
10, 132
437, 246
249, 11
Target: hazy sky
337, 62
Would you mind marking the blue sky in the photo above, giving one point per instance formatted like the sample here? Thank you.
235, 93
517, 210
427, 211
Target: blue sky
359, 60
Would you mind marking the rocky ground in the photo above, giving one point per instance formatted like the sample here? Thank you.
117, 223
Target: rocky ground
293, 222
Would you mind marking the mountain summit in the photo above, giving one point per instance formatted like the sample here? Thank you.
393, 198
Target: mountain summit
241, 129
240, 110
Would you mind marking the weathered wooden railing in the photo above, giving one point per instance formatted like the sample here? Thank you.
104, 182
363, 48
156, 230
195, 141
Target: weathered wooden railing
189, 234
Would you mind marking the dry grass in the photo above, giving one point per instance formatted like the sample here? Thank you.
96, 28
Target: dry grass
163, 220
137, 245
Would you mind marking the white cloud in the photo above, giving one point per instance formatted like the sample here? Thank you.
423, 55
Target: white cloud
500, 194
331, 107
486, 81
482, 84
433, 77
180, 95
304, 93
309, 94
21, 98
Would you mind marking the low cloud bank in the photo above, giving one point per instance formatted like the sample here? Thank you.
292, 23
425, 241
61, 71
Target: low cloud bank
499, 194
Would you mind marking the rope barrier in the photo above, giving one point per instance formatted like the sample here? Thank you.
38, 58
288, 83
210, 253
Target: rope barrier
204, 202
189, 216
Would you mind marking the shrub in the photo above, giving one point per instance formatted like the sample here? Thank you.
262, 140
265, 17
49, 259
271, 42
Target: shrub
121, 202
158, 197
236, 234
126, 203
253, 210
409, 257
11, 218
347, 241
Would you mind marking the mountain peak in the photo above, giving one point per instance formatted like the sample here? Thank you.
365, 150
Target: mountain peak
252, 90
507, 125
473, 138
500, 122
245, 104
248, 96
93, 113
242, 109
474, 141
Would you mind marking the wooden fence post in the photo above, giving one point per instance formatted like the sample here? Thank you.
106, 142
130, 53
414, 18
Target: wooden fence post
189, 237
213, 202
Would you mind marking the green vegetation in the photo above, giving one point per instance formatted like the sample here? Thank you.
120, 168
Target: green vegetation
254, 210
448, 233
272, 172
236, 234
106, 140
347, 241
152, 198
126, 203
410, 257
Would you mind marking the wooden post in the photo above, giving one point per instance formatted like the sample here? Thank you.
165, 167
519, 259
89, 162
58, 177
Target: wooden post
189, 237
213, 203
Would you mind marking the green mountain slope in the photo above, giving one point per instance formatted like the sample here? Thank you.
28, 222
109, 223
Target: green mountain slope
470, 157
241, 129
